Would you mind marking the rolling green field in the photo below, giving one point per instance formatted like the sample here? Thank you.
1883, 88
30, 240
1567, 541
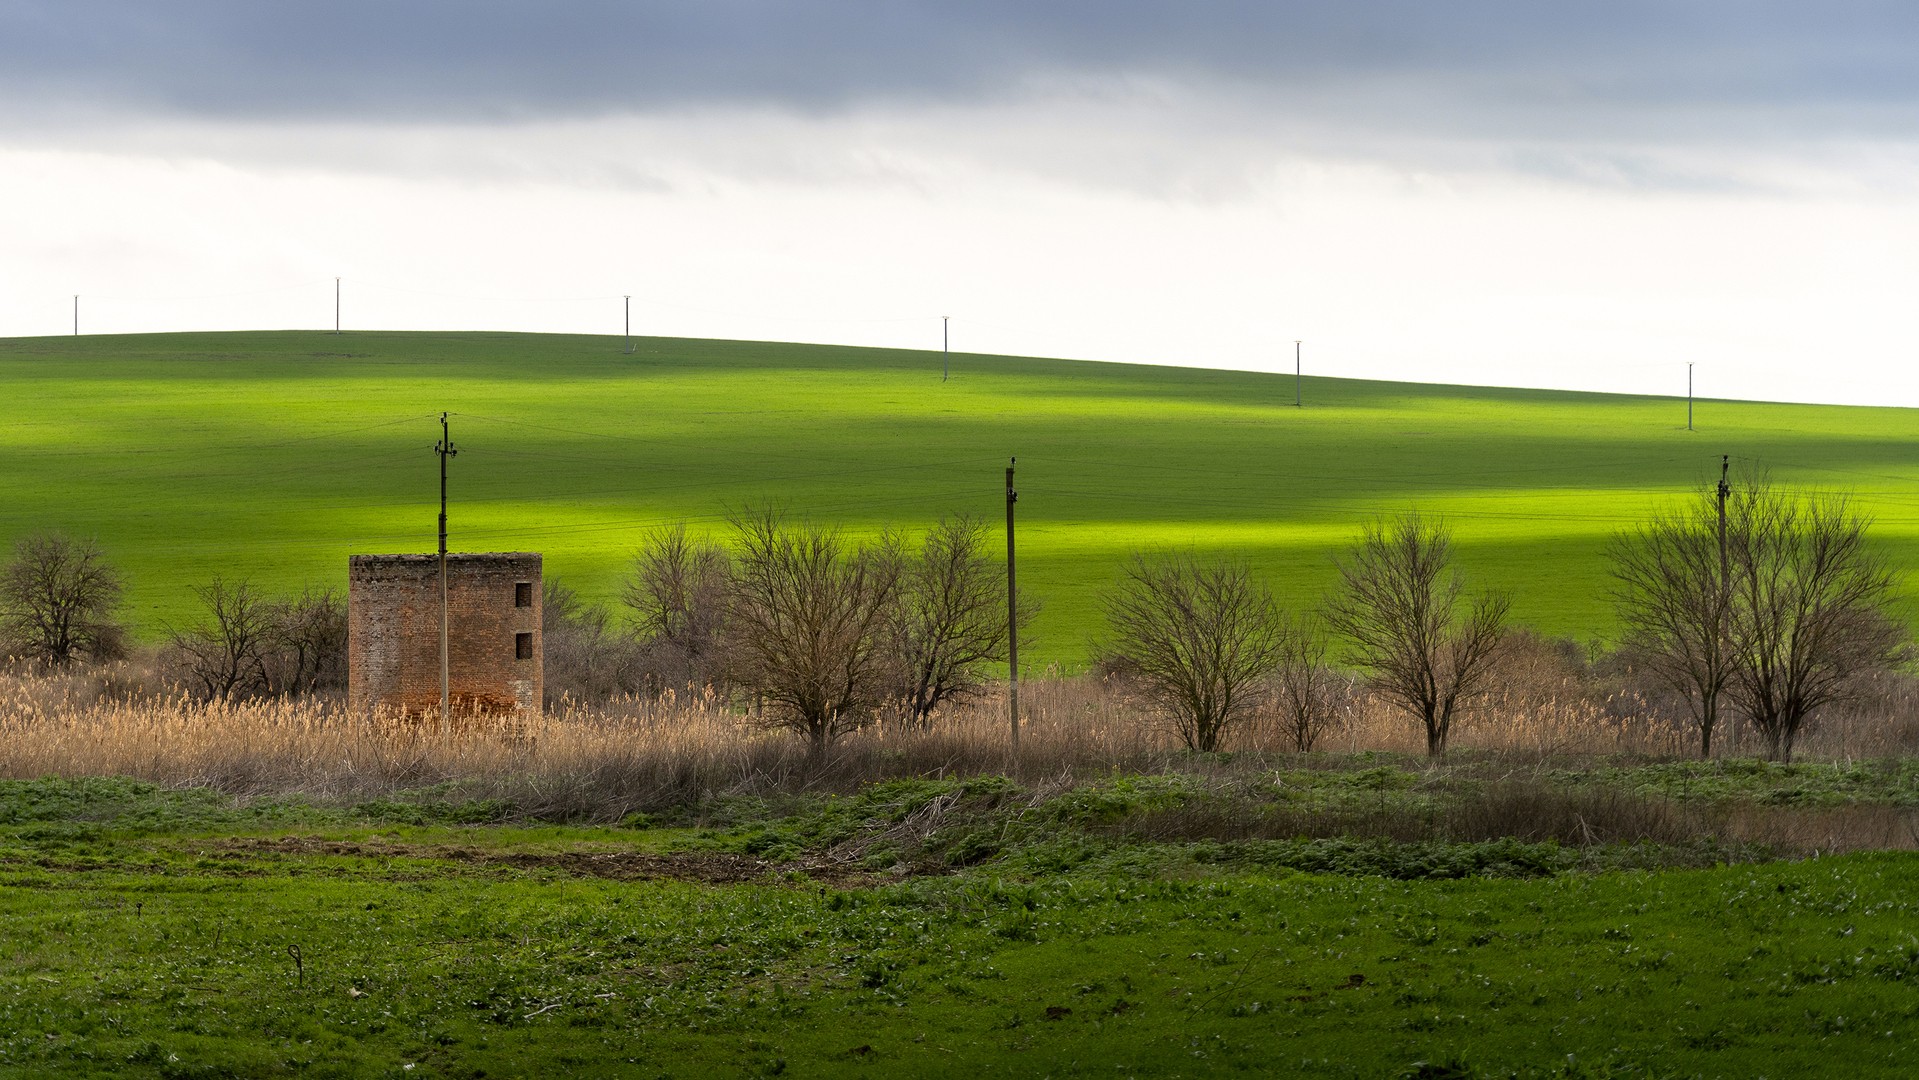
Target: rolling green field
276, 455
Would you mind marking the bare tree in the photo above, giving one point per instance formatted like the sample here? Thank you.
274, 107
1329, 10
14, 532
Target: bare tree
1808, 610
58, 597
1673, 594
950, 618
677, 591
1310, 698
307, 642
805, 623
228, 651
1197, 638
1399, 607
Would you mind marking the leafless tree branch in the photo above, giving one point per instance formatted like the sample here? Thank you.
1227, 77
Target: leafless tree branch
1197, 639
1399, 608
804, 623
58, 598
949, 620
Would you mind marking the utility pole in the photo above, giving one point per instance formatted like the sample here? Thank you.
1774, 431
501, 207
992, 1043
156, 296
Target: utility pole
1689, 408
1012, 614
1296, 398
629, 324
445, 450
946, 339
336, 307
1725, 489
76, 314
1724, 605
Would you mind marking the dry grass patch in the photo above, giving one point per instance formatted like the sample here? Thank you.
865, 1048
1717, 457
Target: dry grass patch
671, 752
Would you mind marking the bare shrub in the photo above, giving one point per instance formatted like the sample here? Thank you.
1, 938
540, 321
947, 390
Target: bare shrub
949, 620
585, 657
58, 599
1776, 601
1310, 698
805, 624
1197, 639
225, 652
1398, 606
1673, 594
249, 644
677, 591
1808, 613
308, 642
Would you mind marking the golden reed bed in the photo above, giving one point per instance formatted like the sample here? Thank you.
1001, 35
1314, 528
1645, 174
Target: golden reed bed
640, 750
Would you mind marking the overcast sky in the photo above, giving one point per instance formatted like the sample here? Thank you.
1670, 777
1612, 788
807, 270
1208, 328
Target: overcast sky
1586, 195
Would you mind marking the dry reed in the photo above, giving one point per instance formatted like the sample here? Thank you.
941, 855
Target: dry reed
644, 754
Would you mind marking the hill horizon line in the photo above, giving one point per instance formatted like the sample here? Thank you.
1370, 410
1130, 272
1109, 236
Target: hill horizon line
1305, 376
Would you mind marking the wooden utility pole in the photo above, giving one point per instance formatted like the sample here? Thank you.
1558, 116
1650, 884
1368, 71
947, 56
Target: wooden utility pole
446, 450
1012, 613
336, 307
1725, 489
1723, 614
629, 324
76, 314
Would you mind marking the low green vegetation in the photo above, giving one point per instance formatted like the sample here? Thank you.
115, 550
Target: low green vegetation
933, 927
1892, 782
273, 456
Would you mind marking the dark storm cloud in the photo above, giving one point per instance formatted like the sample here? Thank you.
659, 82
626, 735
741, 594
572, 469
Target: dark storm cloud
1617, 68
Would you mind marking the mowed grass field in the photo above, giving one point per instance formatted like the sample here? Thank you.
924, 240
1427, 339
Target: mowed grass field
274, 456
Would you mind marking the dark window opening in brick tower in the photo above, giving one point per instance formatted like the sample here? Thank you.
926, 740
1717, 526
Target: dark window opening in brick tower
523, 594
523, 646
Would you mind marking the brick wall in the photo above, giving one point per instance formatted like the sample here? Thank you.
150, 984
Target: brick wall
393, 632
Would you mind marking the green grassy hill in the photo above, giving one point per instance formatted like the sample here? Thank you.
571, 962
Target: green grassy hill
276, 455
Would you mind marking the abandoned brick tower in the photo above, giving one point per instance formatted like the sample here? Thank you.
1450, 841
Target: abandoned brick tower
493, 633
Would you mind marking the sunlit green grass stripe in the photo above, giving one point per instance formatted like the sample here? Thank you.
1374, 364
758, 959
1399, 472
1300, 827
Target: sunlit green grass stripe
276, 455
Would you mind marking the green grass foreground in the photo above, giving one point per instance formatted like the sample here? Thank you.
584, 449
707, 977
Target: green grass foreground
276, 455
180, 934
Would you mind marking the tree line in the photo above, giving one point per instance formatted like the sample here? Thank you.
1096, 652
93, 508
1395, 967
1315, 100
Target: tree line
59, 606
821, 634
1764, 602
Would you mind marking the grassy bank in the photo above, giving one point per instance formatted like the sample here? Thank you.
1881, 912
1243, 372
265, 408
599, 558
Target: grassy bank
276, 455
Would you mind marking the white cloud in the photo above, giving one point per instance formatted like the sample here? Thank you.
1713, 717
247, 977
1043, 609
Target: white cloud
1578, 196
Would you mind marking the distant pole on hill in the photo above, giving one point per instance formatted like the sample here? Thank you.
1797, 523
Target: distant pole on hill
1689, 396
1296, 398
336, 307
1012, 614
629, 324
946, 338
76, 314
